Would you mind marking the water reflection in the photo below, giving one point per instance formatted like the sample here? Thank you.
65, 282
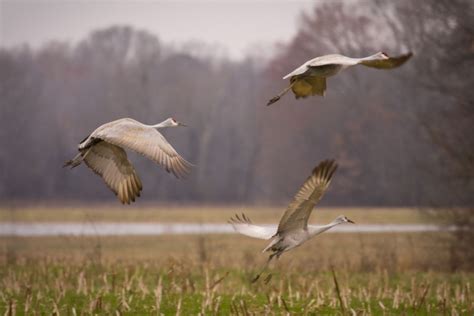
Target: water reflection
114, 229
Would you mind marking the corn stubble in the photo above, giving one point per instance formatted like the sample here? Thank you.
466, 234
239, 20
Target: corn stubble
183, 287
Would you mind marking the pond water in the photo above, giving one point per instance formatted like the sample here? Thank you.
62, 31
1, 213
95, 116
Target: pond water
115, 229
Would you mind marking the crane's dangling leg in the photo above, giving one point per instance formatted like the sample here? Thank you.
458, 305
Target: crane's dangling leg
277, 97
77, 160
268, 278
74, 162
264, 267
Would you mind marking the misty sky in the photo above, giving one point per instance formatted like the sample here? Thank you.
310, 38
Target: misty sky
237, 27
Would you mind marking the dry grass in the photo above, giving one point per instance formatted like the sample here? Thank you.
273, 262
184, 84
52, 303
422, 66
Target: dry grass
60, 286
352, 252
377, 274
199, 214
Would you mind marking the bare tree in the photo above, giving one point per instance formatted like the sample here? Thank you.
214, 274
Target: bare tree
380, 126
445, 35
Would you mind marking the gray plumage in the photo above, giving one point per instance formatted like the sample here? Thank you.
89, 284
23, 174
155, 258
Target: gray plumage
310, 78
293, 229
102, 152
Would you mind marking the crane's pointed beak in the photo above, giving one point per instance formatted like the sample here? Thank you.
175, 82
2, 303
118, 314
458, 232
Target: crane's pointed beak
182, 124
349, 221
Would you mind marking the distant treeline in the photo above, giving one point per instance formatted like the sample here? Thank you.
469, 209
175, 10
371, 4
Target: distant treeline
401, 137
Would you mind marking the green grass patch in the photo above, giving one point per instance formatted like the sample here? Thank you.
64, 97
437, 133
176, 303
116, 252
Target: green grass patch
47, 286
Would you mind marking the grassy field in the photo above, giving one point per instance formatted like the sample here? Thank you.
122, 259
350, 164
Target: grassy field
61, 287
200, 214
377, 274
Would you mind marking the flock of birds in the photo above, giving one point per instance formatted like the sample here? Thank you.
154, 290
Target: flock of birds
103, 151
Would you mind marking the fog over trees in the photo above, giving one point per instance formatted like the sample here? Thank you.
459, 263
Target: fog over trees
401, 137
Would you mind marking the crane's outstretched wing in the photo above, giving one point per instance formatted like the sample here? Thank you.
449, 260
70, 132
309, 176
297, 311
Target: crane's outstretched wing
298, 71
307, 86
244, 226
297, 214
146, 141
391, 62
325, 63
111, 163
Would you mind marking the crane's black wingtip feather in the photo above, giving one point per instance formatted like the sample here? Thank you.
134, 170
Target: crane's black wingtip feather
325, 168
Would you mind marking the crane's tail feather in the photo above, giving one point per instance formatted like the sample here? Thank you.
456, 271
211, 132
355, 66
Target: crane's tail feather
271, 244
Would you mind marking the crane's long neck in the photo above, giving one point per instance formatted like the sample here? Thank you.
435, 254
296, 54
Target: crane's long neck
316, 230
161, 125
376, 56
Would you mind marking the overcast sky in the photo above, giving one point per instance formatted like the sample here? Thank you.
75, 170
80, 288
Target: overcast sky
236, 26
